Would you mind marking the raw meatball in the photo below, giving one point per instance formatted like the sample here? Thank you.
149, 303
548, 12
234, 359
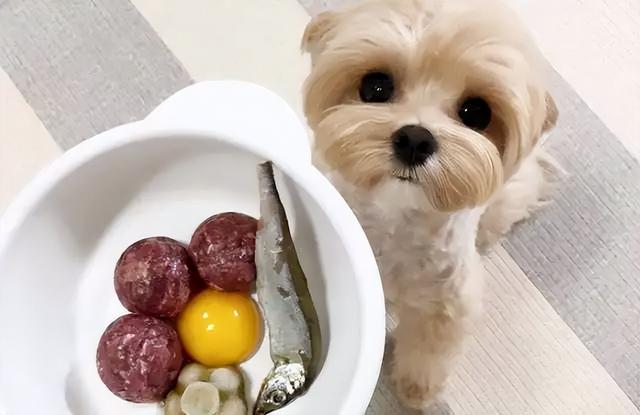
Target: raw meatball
139, 358
223, 248
154, 277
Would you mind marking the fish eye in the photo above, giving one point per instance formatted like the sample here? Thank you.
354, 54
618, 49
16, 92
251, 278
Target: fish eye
278, 397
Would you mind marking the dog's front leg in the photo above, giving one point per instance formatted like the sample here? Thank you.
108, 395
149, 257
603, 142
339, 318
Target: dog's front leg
426, 344
429, 339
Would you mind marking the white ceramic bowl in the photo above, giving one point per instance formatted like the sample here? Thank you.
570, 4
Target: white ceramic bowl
192, 157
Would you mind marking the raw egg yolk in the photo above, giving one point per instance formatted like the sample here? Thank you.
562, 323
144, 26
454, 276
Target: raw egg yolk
220, 328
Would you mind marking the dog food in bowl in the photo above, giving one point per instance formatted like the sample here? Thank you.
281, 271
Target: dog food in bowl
154, 277
205, 391
232, 236
139, 358
220, 328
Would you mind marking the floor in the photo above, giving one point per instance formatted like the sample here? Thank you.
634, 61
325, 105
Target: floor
560, 334
595, 46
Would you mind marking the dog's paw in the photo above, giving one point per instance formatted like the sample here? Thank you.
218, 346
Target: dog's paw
487, 240
416, 392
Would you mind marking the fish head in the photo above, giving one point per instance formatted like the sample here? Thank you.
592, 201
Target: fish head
286, 382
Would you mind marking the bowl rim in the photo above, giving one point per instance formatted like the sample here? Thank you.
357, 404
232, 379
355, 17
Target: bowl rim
367, 278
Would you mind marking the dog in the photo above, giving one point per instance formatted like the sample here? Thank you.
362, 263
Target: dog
427, 116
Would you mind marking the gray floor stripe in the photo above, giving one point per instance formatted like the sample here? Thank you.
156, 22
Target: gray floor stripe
85, 66
583, 250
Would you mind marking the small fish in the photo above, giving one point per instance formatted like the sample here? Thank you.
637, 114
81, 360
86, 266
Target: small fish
294, 331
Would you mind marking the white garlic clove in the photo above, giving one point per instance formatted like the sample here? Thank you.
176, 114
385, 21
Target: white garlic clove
200, 398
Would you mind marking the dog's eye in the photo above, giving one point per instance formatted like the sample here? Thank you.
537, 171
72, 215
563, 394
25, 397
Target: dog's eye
376, 87
475, 113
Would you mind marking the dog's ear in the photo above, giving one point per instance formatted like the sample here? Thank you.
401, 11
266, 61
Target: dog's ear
317, 29
552, 114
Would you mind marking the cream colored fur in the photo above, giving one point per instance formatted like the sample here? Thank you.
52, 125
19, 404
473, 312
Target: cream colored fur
427, 233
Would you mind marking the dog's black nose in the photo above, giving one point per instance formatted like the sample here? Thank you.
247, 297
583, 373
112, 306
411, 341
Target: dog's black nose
413, 144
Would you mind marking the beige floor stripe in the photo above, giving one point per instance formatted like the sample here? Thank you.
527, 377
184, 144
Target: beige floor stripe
25, 145
246, 40
595, 46
526, 360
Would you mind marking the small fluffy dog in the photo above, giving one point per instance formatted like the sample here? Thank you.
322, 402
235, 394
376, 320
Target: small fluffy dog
427, 116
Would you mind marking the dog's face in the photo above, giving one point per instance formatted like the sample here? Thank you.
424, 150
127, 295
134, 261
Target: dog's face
442, 95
